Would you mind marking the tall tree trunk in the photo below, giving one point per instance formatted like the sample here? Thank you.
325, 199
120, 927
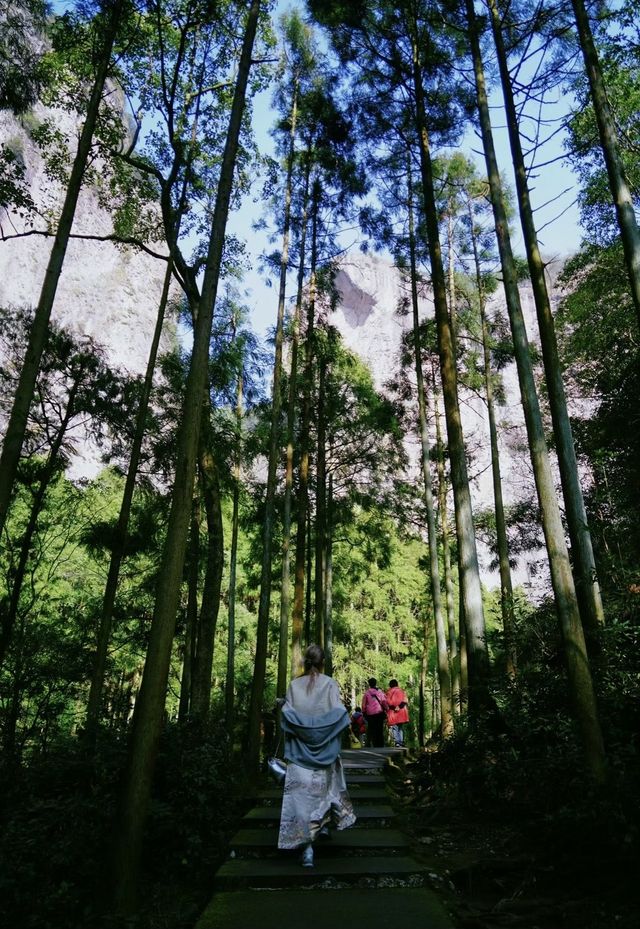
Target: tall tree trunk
260, 665
451, 280
468, 557
446, 548
208, 619
117, 552
8, 618
191, 624
580, 682
302, 497
14, 436
309, 569
622, 197
147, 720
15, 701
321, 498
506, 587
424, 668
586, 580
328, 584
464, 662
233, 560
285, 589
444, 673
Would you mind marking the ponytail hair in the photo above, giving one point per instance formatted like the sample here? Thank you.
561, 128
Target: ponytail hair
313, 664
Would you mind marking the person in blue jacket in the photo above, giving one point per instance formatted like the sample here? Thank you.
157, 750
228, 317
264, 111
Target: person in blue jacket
313, 719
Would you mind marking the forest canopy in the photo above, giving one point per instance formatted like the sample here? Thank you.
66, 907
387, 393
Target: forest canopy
429, 465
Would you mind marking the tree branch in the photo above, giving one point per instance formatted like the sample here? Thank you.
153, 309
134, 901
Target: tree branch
117, 240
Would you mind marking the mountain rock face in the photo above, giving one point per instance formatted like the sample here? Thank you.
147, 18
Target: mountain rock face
371, 291
111, 294
107, 292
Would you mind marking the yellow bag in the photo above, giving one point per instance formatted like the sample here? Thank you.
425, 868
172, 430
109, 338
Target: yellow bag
354, 740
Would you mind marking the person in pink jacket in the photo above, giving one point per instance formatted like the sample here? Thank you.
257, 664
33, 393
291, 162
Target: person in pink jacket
397, 714
374, 707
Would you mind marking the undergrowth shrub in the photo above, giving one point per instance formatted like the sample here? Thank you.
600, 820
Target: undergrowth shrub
57, 816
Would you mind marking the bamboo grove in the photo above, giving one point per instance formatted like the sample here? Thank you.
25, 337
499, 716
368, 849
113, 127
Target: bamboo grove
252, 499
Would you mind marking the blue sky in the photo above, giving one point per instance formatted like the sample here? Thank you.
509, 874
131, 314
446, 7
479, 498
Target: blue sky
553, 194
558, 220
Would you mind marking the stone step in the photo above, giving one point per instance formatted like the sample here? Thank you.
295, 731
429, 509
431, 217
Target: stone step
350, 768
378, 814
368, 756
328, 871
410, 907
251, 843
272, 796
365, 780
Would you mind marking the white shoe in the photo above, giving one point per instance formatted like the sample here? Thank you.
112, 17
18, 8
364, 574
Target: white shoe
307, 857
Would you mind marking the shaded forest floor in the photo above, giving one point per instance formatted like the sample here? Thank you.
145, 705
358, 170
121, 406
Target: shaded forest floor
512, 860
511, 837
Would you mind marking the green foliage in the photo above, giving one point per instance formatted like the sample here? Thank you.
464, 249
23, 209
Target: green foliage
380, 601
14, 190
57, 819
598, 330
531, 758
21, 25
619, 58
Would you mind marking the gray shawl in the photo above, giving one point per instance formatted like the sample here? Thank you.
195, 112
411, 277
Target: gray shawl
313, 722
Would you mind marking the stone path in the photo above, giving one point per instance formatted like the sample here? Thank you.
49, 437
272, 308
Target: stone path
364, 877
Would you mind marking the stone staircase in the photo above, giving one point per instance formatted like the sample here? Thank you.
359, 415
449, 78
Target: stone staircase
364, 877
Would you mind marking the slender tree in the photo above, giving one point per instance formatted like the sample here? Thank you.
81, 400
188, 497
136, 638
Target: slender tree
285, 595
181, 175
444, 671
147, 720
620, 190
210, 606
581, 684
259, 673
320, 561
506, 586
191, 616
112, 15
454, 651
73, 385
587, 586
302, 497
233, 562
467, 554
117, 552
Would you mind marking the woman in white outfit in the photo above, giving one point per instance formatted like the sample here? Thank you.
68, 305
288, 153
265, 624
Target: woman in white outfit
315, 792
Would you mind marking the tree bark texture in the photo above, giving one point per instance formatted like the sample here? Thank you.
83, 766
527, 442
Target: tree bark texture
229, 689
210, 607
586, 579
16, 427
302, 498
117, 553
620, 190
454, 651
191, 623
285, 595
444, 672
506, 587
468, 556
260, 664
580, 681
328, 583
147, 719
321, 506
8, 618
